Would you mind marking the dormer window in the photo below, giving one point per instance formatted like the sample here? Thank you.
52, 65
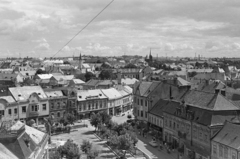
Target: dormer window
100, 94
19, 95
80, 96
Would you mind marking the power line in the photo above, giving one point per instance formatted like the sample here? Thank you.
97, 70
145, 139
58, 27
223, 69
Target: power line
84, 27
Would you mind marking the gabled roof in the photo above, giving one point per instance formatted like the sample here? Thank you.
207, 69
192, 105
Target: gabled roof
44, 76
142, 87
9, 99
8, 76
54, 93
78, 81
207, 100
23, 93
229, 135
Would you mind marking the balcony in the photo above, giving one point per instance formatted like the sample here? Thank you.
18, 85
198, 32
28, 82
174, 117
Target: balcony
32, 114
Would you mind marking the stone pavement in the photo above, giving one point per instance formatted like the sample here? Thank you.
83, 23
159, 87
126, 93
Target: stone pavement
79, 134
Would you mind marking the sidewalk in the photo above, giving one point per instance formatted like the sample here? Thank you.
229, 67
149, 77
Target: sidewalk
143, 145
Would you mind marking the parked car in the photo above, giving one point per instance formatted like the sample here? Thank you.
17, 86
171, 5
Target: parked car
153, 143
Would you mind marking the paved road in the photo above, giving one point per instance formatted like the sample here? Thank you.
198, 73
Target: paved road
143, 143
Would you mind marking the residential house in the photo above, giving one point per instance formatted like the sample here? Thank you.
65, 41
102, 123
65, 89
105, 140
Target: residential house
19, 141
43, 79
146, 94
9, 109
60, 80
91, 101
57, 103
193, 118
155, 118
76, 83
226, 143
32, 102
14, 77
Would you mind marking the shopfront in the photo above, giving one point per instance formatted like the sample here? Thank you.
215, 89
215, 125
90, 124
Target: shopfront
156, 130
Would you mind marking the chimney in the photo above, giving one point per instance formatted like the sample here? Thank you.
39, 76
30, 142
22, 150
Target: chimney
223, 92
217, 91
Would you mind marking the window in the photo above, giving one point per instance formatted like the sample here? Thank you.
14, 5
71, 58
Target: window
101, 105
234, 156
220, 151
15, 111
200, 135
174, 125
141, 113
44, 107
135, 100
214, 149
146, 103
10, 111
84, 106
80, 108
145, 114
170, 123
138, 101
89, 107
58, 114
141, 102
226, 153
24, 109
52, 105
205, 138
58, 105
138, 112
1, 112
165, 122
34, 108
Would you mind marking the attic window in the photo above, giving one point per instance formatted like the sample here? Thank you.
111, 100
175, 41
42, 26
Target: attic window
19, 95
80, 96
50, 96
100, 94
39, 93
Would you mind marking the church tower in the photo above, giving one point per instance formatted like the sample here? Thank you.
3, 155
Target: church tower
80, 62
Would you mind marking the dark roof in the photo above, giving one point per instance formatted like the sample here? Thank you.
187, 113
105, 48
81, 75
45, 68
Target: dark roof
158, 108
229, 135
142, 87
151, 88
207, 100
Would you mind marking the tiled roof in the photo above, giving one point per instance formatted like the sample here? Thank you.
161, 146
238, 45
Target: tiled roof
44, 76
142, 87
83, 95
78, 81
23, 93
229, 135
207, 100
158, 108
111, 93
5, 153
54, 93
9, 99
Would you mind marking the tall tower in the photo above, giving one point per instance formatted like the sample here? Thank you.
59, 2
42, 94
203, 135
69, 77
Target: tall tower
80, 62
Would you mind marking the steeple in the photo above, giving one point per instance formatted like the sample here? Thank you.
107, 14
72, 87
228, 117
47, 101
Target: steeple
80, 62
150, 56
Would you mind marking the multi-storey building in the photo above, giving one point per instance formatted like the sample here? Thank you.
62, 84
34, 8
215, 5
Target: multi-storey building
191, 120
91, 101
19, 141
9, 109
114, 101
225, 144
126, 93
146, 94
57, 103
32, 102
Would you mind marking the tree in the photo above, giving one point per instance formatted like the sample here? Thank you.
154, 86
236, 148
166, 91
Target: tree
70, 150
54, 155
106, 74
130, 65
192, 74
86, 146
198, 65
95, 120
67, 119
40, 71
89, 75
205, 64
105, 117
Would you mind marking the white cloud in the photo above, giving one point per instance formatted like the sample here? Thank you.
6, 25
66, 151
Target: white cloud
43, 46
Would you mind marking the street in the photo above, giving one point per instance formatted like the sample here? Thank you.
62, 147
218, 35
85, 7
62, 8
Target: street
143, 142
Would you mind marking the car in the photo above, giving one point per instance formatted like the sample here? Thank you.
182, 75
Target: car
153, 143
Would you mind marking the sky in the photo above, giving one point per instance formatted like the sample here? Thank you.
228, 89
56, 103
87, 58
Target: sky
39, 28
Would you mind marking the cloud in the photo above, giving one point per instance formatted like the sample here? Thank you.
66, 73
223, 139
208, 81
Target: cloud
43, 47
